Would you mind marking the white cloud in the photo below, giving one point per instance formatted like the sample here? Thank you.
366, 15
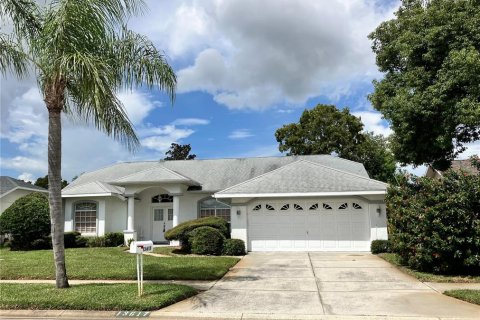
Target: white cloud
373, 122
240, 134
21, 163
190, 122
256, 54
26, 176
472, 149
137, 105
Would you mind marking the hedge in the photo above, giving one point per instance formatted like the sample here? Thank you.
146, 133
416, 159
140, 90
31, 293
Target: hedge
434, 224
380, 246
206, 241
181, 231
233, 247
27, 221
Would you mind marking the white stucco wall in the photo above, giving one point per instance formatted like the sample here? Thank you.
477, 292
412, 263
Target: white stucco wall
378, 221
238, 222
115, 214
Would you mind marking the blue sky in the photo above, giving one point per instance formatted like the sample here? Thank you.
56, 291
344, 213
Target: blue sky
244, 67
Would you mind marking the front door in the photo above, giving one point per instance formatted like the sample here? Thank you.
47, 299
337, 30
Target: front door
162, 220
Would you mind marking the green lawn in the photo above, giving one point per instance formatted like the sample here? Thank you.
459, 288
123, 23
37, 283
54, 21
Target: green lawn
92, 296
425, 276
111, 263
472, 296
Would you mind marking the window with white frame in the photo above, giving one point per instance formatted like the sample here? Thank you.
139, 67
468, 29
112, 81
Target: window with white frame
85, 217
214, 208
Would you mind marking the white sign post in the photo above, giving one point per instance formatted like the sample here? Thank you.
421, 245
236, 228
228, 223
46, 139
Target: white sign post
139, 247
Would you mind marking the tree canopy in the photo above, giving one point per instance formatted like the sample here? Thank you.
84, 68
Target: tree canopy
179, 152
328, 130
43, 182
430, 94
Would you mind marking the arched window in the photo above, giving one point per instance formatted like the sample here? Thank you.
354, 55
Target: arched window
213, 208
162, 198
85, 217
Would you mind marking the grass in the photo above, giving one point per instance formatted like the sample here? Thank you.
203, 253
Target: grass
472, 296
92, 296
426, 276
111, 263
169, 251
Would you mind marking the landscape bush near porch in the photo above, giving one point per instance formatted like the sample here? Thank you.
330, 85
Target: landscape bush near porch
434, 225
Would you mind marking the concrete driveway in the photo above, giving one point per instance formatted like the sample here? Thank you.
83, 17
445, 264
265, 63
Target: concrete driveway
320, 284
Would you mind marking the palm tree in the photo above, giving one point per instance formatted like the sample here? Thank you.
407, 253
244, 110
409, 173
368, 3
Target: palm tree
82, 54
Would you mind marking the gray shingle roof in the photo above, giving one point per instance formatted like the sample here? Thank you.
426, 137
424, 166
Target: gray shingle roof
215, 174
8, 183
153, 174
305, 177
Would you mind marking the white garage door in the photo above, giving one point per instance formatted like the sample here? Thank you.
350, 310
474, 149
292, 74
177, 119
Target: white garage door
318, 225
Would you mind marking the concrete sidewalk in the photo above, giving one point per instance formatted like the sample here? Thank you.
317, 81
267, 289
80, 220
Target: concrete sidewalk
111, 315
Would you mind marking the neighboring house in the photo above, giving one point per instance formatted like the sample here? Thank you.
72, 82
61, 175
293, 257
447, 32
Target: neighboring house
295, 203
457, 165
11, 189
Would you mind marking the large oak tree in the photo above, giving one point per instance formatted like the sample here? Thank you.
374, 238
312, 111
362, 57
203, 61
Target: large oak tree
82, 55
430, 54
328, 130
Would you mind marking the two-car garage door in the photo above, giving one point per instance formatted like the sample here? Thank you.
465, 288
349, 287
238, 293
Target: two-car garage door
315, 225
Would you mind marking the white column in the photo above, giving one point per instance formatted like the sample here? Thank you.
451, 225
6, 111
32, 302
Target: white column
176, 209
131, 213
130, 232
101, 218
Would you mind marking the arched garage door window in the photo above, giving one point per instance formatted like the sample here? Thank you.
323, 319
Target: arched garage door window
86, 217
212, 208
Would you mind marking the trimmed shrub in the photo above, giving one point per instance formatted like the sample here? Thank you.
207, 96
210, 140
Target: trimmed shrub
181, 231
42, 244
206, 241
434, 224
27, 220
233, 247
93, 242
81, 242
70, 239
114, 239
380, 246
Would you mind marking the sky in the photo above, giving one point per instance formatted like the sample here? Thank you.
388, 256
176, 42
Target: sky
244, 69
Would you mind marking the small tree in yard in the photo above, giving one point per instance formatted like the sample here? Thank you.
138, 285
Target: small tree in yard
27, 221
82, 55
434, 225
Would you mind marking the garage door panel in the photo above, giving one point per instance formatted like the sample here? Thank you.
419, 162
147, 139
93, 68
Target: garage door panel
316, 227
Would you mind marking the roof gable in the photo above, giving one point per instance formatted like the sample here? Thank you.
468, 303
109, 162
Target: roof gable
156, 174
7, 184
304, 177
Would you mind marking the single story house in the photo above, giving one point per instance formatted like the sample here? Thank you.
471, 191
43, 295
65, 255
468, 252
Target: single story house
292, 203
11, 189
457, 165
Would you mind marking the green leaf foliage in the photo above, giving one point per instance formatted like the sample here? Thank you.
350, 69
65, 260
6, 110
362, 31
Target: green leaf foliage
326, 130
233, 247
181, 231
27, 221
380, 246
434, 225
179, 152
206, 241
430, 94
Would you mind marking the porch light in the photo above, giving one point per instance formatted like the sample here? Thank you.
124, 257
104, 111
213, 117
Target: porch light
239, 212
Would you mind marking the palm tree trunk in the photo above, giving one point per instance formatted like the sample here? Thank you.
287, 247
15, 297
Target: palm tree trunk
55, 192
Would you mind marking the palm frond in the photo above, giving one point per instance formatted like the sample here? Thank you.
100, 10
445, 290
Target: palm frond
92, 97
25, 16
12, 57
138, 62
